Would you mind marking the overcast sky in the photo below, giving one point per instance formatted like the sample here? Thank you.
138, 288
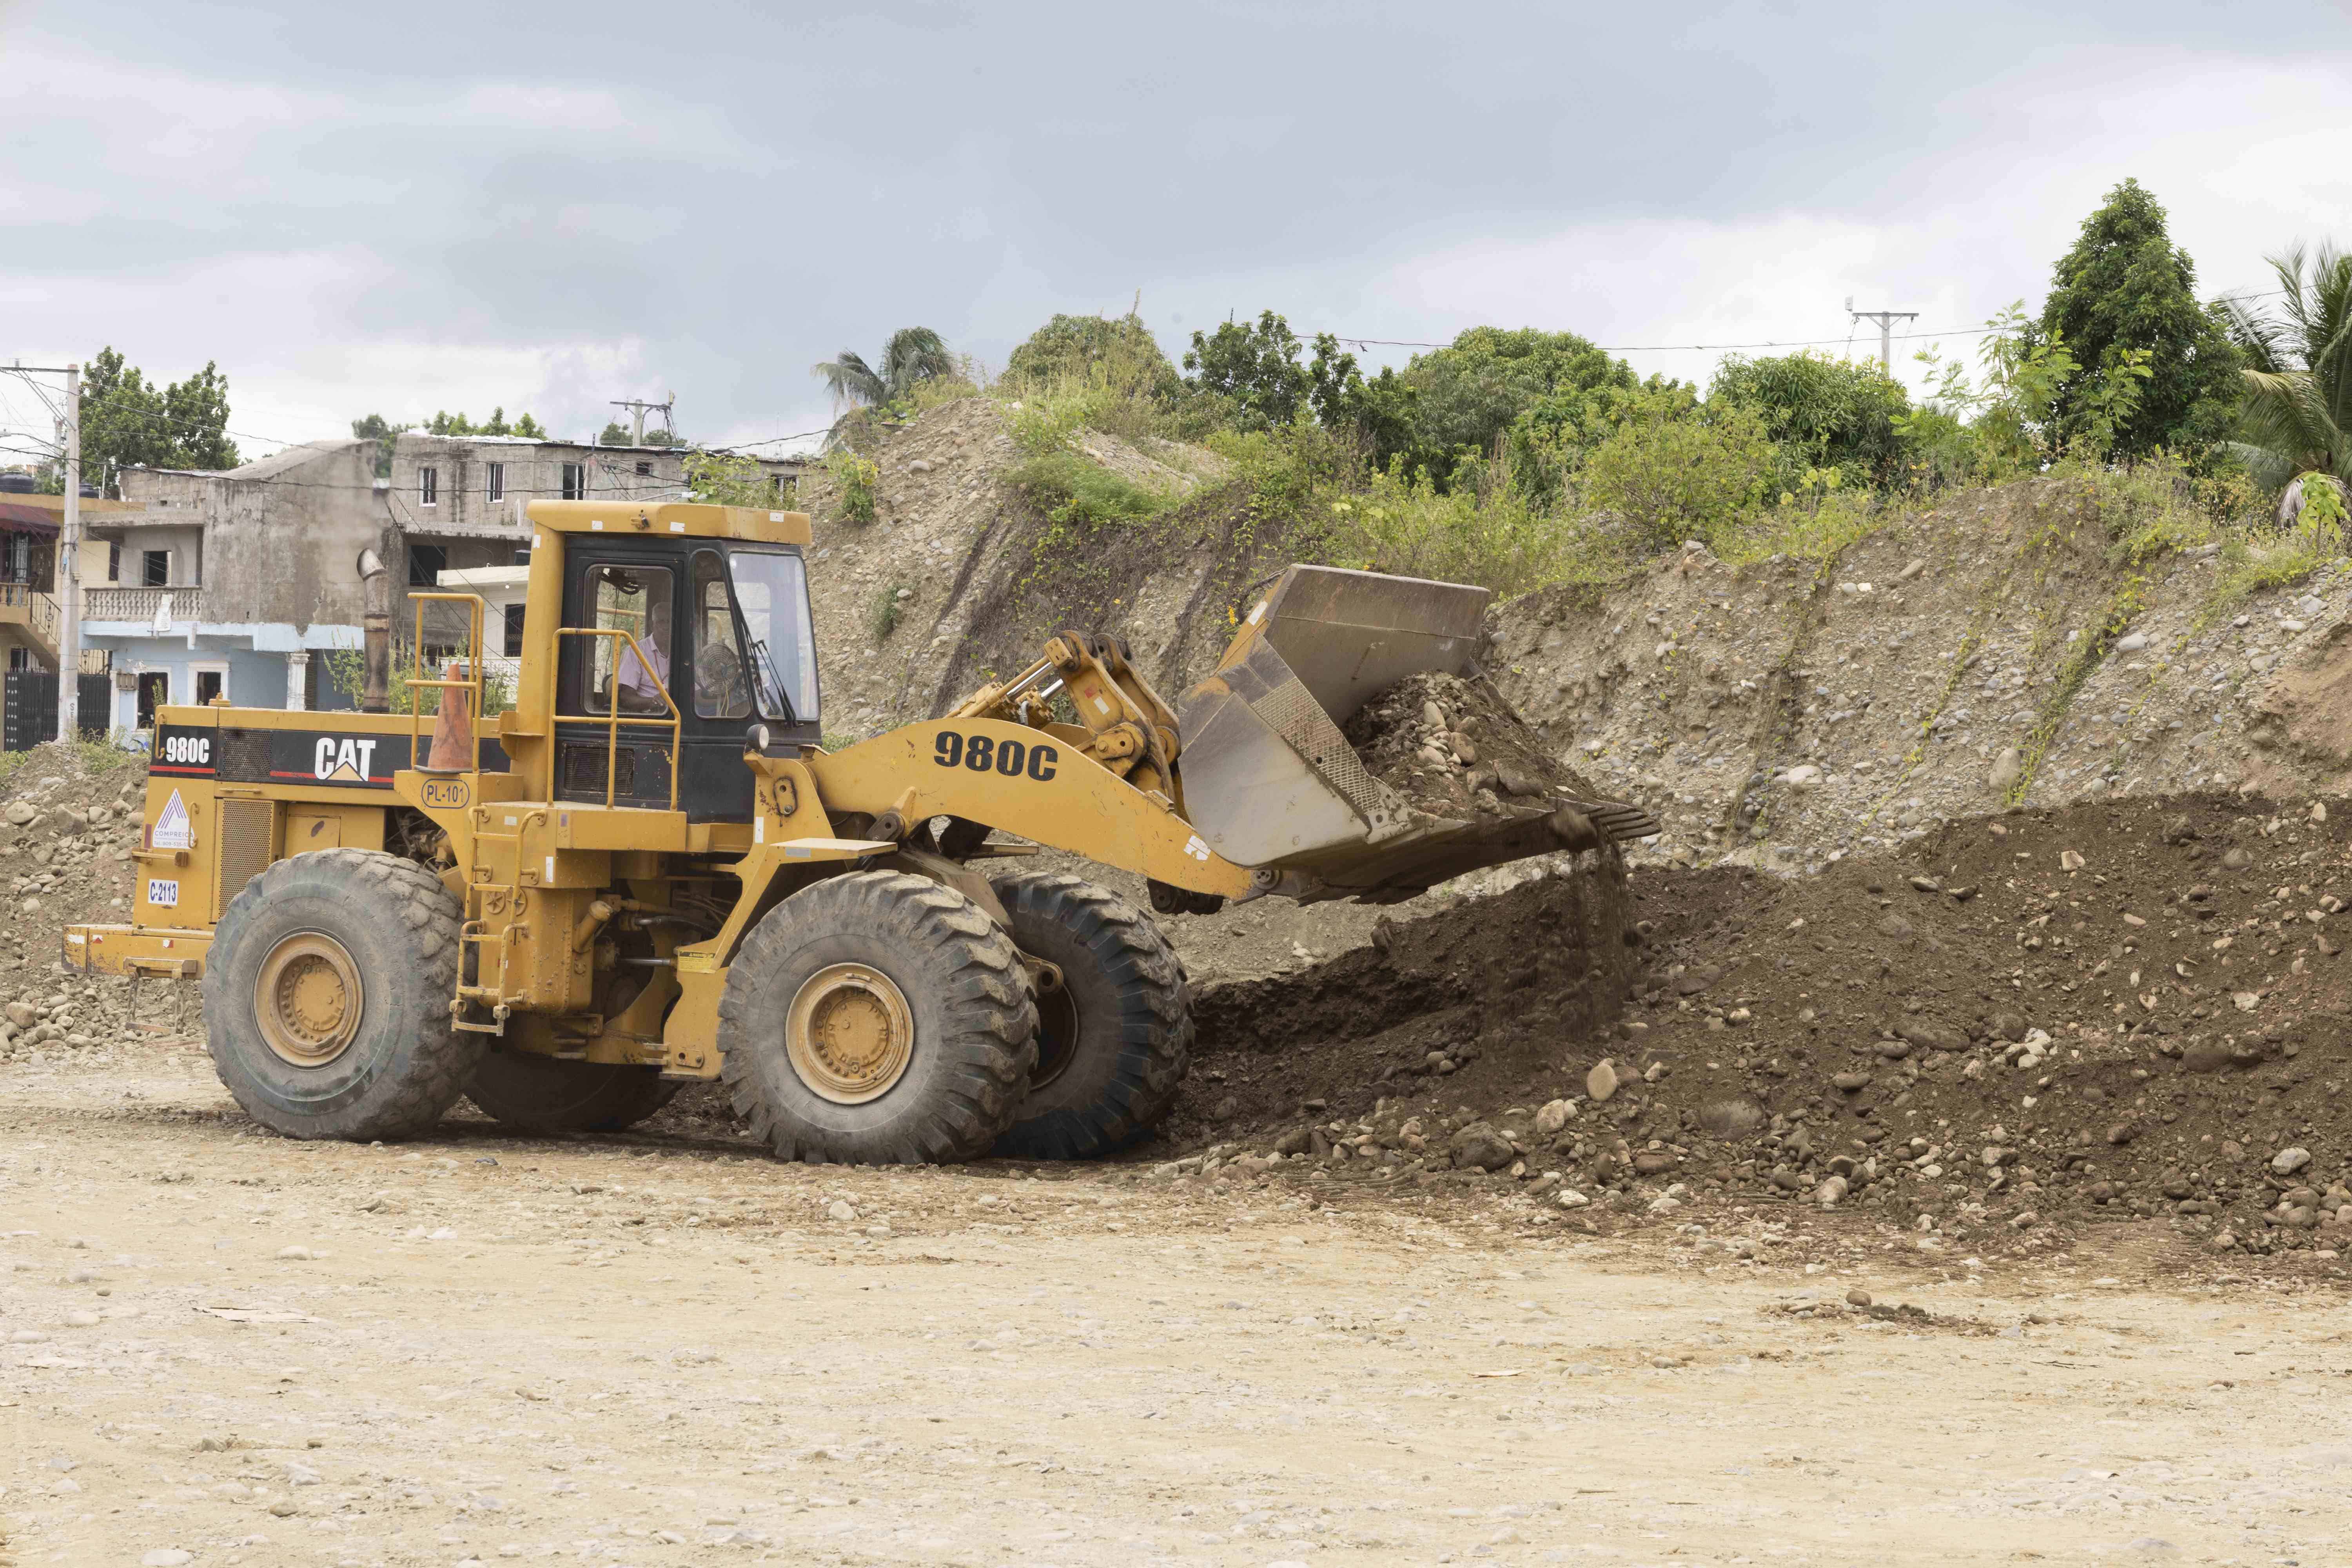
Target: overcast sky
431, 205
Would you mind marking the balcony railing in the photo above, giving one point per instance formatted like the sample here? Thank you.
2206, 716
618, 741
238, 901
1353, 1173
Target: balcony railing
21, 604
179, 602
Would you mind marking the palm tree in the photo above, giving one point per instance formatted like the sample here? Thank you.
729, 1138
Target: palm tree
2297, 416
913, 354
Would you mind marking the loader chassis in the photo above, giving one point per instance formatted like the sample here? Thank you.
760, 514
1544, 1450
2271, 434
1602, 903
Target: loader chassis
648, 870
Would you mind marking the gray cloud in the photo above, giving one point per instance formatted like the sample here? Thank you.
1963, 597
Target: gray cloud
443, 204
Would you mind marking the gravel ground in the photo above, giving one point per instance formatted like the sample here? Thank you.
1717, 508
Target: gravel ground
219, 1347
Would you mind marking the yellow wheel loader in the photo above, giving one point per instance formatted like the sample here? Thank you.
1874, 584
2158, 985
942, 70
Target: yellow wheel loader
648, 870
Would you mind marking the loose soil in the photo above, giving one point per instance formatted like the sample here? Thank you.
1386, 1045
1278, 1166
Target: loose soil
1453, 747
2017, 1025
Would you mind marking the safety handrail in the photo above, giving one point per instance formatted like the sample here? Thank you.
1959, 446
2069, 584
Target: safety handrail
472, 685
613, 719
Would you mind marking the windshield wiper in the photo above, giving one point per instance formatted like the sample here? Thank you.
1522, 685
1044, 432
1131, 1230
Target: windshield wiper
775, 681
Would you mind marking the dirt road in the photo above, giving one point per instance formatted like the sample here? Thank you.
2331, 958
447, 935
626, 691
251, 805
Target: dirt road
223, 1348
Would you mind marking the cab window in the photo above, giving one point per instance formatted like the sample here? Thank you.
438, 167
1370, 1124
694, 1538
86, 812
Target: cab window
636, 600
772, 592
721, 688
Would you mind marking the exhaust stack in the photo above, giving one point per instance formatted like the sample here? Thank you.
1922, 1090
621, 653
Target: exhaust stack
375, 630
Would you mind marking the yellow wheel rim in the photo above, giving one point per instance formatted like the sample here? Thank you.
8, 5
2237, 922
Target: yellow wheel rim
307, 999
849, 1032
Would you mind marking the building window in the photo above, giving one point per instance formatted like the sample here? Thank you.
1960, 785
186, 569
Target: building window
208, 685
786, 488
498, 485
114, 563
575, 481
645, 469
154, 568
426, 562
428, 487
20, 658
514, 631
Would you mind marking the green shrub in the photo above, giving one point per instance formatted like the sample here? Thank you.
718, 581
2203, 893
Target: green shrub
1405, 525
1074, 489
883, 620
1824, 412
1671, 474
857, 478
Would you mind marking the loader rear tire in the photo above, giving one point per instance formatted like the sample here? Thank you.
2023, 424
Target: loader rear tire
876, 1018
326, 996
533, 1093
1115, 1040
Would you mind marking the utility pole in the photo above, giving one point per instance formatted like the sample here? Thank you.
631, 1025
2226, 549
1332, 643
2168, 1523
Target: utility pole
638, 409
1885, 319
69, 570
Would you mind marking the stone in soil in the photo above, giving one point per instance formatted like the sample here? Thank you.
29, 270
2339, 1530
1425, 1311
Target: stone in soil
1453, 747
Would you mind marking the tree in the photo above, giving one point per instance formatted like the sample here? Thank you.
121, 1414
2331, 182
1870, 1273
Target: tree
126, 419
2124, 287
912, 355
1824, 412
2297, 414
1255, 366
1121, 354
614, 434
375, 428
1464, 396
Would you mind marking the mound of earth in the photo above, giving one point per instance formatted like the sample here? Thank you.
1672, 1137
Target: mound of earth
2105, 1011
69, 819
1451, 746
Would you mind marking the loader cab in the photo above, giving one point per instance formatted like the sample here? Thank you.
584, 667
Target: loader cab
718, 627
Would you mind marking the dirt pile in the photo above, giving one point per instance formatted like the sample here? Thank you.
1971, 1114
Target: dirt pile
69, 819
2136, 1009
1453, 747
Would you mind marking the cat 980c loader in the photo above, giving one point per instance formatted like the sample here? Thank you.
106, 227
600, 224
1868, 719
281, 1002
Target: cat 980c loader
648, 870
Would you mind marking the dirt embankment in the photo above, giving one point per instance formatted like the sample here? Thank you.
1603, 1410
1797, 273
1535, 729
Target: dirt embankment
1984, 651
2113, 1011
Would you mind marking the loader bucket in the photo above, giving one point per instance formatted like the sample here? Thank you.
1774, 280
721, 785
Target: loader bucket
1271, 783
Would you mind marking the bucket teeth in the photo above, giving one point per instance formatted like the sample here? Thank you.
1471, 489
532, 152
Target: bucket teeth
1623, 823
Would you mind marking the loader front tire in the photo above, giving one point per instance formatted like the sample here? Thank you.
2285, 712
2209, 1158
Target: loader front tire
1115, 1038
876, 1018
326, 996
533, 1093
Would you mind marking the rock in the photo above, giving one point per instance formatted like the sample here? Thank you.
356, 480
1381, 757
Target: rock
2132, 642
2232, 1150
1569, 1198
919, 465
2287, 1162
1479, 1146
1551, 1117
22, 1015
2069, 861
2236, 861
1927, 885
2007, 769
295, 1254
1298, 1140
1830, 1193
166, 1557
1932, 1036
1654, 1162
21, 814
2205, 1055
1894, 929
1601, 1081
1435, 717
2122, 1133
2224, 1241
2178, 830
1857, 1297
840, 1209
1851, 1081
1803, 776
2009, 1025
1226, 1109
1731, 1116
1912, 568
